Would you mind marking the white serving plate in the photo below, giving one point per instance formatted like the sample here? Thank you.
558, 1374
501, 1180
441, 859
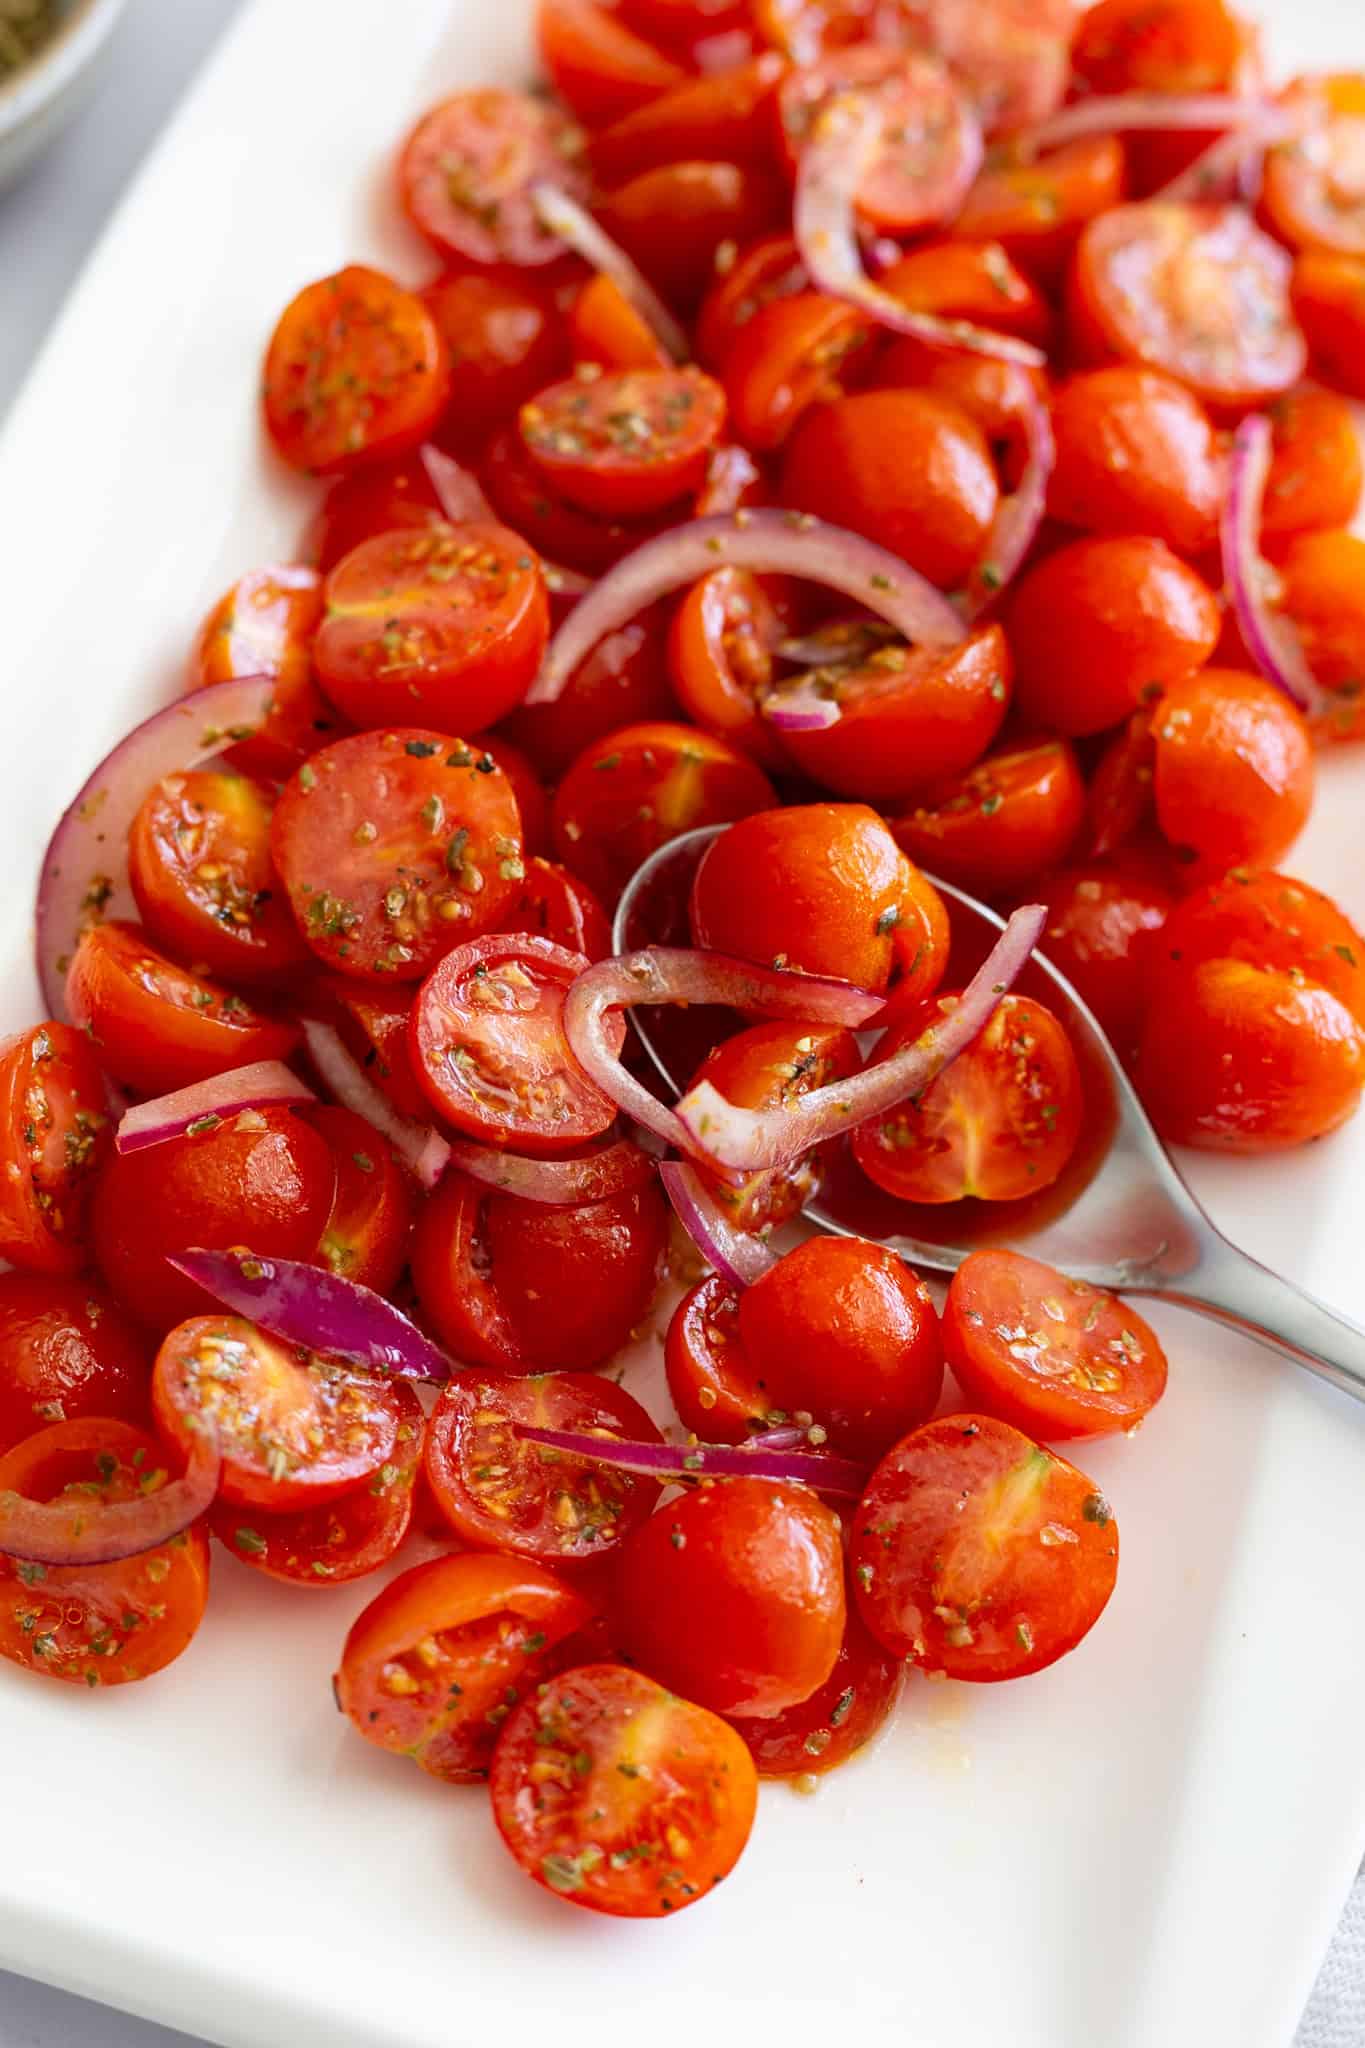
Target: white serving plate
1145, 1847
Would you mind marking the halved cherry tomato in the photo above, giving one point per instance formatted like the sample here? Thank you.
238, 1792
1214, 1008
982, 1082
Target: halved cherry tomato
1005, 822
979, 1554
156, 1025
67, 1352
1054, 1356
998, 1124
1234, 770
734, 1594
264, 626
100, 1624
974, 281
295, 1429
841, 1716
57, 1135
533, 800
791, 354
505, 341
393, 845
262, 1179
766, 1067
624, 681
1136, 455
1276, 924
525, 1288
1159, 46
1313, 196
1119, 801
597, 64
1101, 918
746, 282
555, 905
632, 791
1010, 56
1036, 211
365, 1237
711, 1381
1316, 469
562, 532
672, 221
467, 171
627, 442
615, 1795
373, 1023
803, 29
686, 23
724, 118
199, 863
356, 371
1323, 594
1328, 294
720, 657
499, 1493
1196, 290
607, 330
434, 1665
381, 498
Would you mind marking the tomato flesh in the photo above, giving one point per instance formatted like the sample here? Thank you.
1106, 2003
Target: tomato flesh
366, 1234
264, 626
625, 443
200, 868
467, 171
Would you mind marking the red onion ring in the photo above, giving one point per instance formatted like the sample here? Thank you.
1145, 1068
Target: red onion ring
576, 227
817, 1469
737, 1256
309, 1306
208, 1103
1114, 113
772, 543
77, 1530
84, 875
803, 705
1019, 516
1270, 638
560, 1183
423, 1150
459, 493
726, 1136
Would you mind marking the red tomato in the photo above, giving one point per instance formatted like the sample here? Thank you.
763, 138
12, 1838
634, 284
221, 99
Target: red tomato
768, 269
606, 330
100, 1624
711, 1380
734, 1594
1037, 211
468, 169
505, 341
433, 1666
1159, 46
373, 1024
627, 443
724, 118
264, 626
157, 1026
1323, 595
525, 1288
1273, 923
624, 681
790, 354
560, 531
1136, 454
998, 1124
56, 1133
1328, 295
673, 221
631, 792
1009, 55
1054, 1356
394, 845
974, 281
382, 498
533, 801
720, 657
615, 1795
978, 1554
356, 371
262, 1179
1099, 932
556, 906
840, 1717
199, 863
498, 1493
688, 23
66, 1353
1313, 196
1316, 470
595, 62
766, 1067
366, 1235
1234, 770
1005, 822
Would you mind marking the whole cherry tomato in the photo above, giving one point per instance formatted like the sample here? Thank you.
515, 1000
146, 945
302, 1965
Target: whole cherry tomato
468, 169
1004, 823
1101, 918
505, 341
67, 1352
264, 626
1159, 46
624, 443
764, 1068
56, 1136
533, 799
200, 868
791, 353
1323, 595
1136, 454
1234, 770
841, 1716
745, 282
1328, 294
1274, 923
671, 221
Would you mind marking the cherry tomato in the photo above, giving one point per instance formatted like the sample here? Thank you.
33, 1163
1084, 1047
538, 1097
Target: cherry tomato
1313, 195
597, 64
1316, 470
562, 532
433, 1666
720, 658
525, 1288
394, 845
356, 371
262, 1179
1159, 46
724, 118
999, 397
615, 1795
840, 1717
605, 329
734, 1594
632, 791
468, 169
905, 469
768, 1066
711, 1380
1328, 294
979, 1554
1004, 823
156, 1025
1119, 802
672, 221
1273, 923
1010, 56
533, 801
373, 1025
624, 681
57, 1135
556, 906
687, 22
344, 1539
366, 1235
505, 341
1054, 1356
1195, 290
100, 1624
1323, 594
67, 1352
264, 626
1036, 211
1101, 918
1137, 621
499, 1493
1136, 455
768, 269
974, 281
1234, 770
791, 354
626, 443
199, 863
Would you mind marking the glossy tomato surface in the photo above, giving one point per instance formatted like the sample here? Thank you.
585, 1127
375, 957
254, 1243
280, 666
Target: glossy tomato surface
67, 1352
56, 1134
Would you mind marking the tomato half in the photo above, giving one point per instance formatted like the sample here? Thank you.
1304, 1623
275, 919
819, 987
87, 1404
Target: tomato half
67, 1352
1316, 469
627, 442
1136, 454
556, 906
997, 828
1159, 46
380, 498
841, 1716
674, 221
264, 626
771, 1066
505, 340
1100, 927
605, 329
1037, 211
199, 864
624, 681
768, 269
792, 353
56, 1136
598, 65
467, 171
723, 118
1234, 770
720, 656
373, 1024
365, 1237
1313, 196
533, 799
561, 532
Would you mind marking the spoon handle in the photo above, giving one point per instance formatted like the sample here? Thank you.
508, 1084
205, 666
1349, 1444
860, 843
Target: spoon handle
1234, 1289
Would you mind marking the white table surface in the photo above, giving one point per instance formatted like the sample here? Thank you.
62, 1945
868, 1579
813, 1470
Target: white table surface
48, 224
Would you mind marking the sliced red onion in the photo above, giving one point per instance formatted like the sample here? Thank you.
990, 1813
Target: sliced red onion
209, 1103
730, 472
1118, 112
84, 875
575, 226
673, 974
560, 1183
77, 1529
1019, 516
771, 543
844, 139
738, 1256
459, 493
843, 643
804, 705
423, 1150
1270, 638
816, 1469
750, 1139
309, 1306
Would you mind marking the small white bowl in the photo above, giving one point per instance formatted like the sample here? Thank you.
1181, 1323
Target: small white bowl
41, 96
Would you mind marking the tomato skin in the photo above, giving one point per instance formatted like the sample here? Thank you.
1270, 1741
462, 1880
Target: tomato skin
263, 1179
1234, 770
156, 1025
366, 1235
623, 682
1311, 195
533, 800
504, 340
971, 280
844, 1330
710, 1380
524, 1288
199, 864
559, 531
1328, 295
1324, 596
466, 170
841, 1716
672, 220
573, 431
1037, 212
556, 906
102, 1624
903, 468
496, 1621
761, 1068
790, 355
948, 1565
1004, 823
1173, 46
605, 329
724, 118
1136, 455
1274, 923
1316, 470
57, 1136
746, 1614
596, 64
356, 371
1100, 931
720, 657
1051, 1355
770, 268
1137, 618
264, 626
661, 1775
67, 1353
373, 1025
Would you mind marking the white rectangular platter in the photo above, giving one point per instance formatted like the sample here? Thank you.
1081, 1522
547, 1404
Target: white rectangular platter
1144, 1847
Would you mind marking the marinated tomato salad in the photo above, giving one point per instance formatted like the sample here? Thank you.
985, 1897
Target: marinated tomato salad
912, 441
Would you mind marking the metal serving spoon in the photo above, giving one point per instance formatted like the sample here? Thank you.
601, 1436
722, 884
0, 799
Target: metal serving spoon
1121, 1217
